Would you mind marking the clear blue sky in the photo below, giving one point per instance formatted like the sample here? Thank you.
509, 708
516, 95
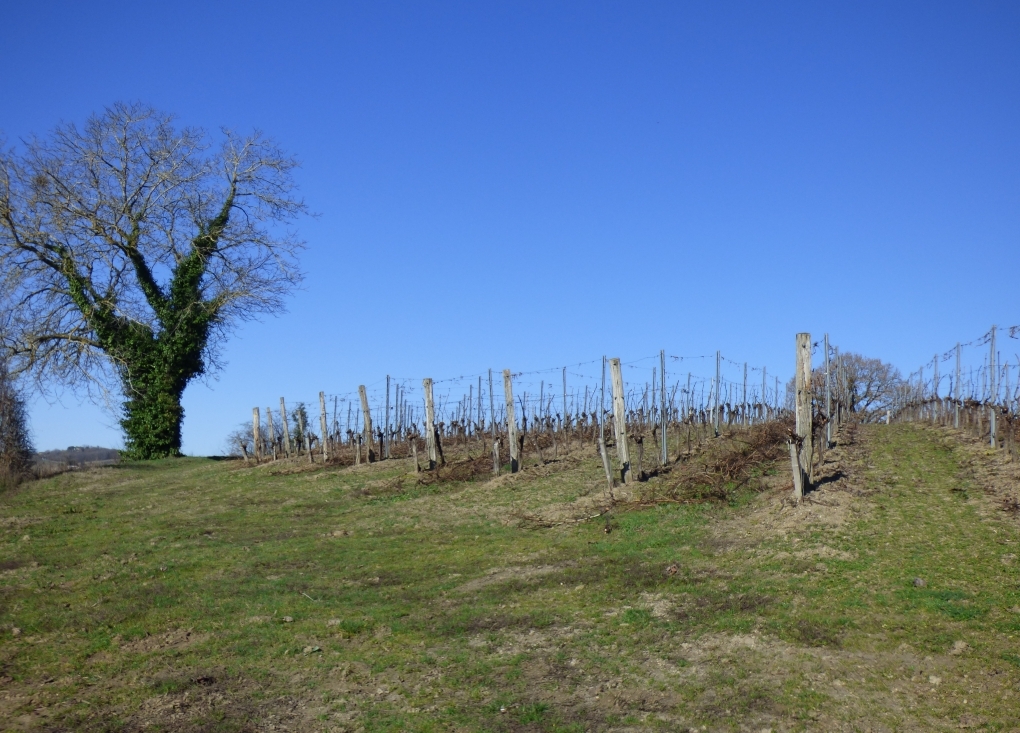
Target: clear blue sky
517, 185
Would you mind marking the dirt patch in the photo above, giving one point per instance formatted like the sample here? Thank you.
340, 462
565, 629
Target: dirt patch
173, 639
200, 700
989, 470
504, 575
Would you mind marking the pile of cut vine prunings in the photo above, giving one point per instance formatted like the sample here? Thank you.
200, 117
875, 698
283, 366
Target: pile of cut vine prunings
737, 460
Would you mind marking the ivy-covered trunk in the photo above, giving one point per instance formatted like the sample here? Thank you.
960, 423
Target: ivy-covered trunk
152, 421
155, 371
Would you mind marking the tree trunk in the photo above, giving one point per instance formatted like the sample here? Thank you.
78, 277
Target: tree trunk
152, 424
152, 415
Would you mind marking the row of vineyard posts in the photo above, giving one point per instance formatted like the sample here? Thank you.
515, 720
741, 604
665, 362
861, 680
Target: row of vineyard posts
982, 398
673, 421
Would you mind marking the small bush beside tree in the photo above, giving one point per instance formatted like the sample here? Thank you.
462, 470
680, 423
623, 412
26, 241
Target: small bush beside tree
15, 441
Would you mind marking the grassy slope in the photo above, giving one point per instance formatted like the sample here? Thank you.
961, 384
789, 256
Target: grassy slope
157, 595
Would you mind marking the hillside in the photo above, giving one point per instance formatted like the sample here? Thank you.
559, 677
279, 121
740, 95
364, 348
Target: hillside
194, 594
77, 456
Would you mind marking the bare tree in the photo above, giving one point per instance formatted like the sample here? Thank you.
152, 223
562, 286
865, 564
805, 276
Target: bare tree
871, 385
130, 248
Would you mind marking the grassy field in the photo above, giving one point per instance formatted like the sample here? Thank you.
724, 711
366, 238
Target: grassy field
196, 594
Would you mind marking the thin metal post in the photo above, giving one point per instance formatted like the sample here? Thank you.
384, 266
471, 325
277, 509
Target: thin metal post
492, 408
743, 404
386, 427
993, 389
718, 389
828, 397
956, 388
662, 405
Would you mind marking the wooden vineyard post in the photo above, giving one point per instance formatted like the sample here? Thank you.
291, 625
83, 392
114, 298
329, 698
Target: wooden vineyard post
430, 423
272, 431
935, 391
286, 429
366, 417
803, 416
256, 435
511, 422
323, 426
664, 456
620, 420
495, 456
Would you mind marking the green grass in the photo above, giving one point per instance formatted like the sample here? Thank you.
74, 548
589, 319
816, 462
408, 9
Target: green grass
157, 594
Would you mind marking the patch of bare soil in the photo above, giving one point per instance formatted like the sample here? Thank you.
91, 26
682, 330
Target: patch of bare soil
173, 639
503, 575
212, 700
991, 470
761, 673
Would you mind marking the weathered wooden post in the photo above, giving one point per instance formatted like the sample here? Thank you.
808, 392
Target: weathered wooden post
287, 429
511, 422
803, 413
430, 423
272, 431
256, 435
366, 427
620, 421
323, 426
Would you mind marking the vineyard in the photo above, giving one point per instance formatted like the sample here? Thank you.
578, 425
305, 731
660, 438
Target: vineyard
659, 553
664, 415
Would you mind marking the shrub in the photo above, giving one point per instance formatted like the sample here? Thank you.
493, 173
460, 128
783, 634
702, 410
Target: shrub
15, 442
